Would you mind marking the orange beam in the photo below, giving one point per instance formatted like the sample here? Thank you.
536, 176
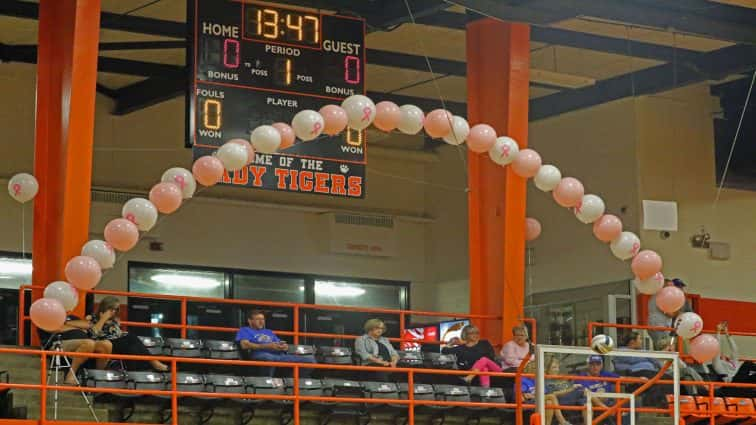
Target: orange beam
498, 60
66, 78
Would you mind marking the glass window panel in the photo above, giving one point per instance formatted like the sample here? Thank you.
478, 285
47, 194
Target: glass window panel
176, 281
15, 272
249, 286
360, 294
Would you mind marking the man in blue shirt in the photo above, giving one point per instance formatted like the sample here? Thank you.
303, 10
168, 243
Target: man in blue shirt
596, 368
263, 344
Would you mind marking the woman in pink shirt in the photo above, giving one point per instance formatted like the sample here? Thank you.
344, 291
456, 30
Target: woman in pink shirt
514, 351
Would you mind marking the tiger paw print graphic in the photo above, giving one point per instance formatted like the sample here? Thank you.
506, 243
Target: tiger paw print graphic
344, 168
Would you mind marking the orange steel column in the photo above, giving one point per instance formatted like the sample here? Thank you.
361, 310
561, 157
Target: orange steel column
498, 61
66, 78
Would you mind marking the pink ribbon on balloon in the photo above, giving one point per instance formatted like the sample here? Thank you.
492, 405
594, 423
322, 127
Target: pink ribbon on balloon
504, 151
658, 277
696, 326
366, 111
579, 207
110, 248
636, 247
16, 189
180, 181
316, 128
131, 218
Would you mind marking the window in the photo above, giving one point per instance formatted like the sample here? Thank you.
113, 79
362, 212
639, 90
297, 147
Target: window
264, 287
356, 294
14, 272
168, 280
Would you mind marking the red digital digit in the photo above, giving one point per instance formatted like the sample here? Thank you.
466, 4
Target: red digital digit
231, 53
352, 69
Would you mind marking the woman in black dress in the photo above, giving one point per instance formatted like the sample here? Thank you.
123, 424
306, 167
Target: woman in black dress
106, 326
474, 354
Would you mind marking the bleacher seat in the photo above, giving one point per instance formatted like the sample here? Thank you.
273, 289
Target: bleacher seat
334, 355
301, 350
145, 381
422, 392
154, 344
717, 408
180, 347
745, 408
382, 390
267, 386
439, 361
487, 395
227, 384
341, 388
185, 381
113, 379
690, 411
410, 359
224, 350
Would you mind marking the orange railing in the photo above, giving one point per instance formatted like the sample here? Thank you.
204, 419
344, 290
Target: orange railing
297, 398
296, 333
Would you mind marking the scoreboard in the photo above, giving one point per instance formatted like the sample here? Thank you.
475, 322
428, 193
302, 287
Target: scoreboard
255, 64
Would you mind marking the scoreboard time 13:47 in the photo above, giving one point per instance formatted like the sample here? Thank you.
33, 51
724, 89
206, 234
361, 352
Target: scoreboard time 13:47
255, 64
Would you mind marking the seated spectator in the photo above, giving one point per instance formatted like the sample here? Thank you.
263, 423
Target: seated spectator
474, 354
726, 366
74, 337
375, 350
528, 388
635, 366
596, 369
566, 392
656, 317
263, 344
517, 349
105, 326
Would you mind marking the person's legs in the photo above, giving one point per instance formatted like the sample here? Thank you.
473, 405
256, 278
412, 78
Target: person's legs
293, 358
79, 346
103, 347
549, 400
484, 364
132, 345
265, 357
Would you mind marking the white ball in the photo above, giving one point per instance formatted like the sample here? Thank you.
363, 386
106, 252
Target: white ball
411, 120
504, 150
602, 344
141, 212
183, 178
23, 187
360, 111
688, 325
590, 209
101, 251
307, 125
63, 292
459, 133
265, 139
232, 156
625, 246
651, 285
548, 178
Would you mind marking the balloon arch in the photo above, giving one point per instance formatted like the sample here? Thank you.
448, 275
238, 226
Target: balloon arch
357, 112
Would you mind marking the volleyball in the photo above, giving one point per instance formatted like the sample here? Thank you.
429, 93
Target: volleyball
602, 344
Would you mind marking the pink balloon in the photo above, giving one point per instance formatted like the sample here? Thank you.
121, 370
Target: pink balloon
121, 234
166, 196
48, 314
670, 299
526, 163
704, 348
481, 138
83, 272
438, 123
387, 116
247, 146
532, 229
646, 264
287, 134
607, 228
569, 192
335, 119
208, 170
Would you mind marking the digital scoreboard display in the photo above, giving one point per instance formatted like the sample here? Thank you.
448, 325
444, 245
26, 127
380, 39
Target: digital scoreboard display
255, 64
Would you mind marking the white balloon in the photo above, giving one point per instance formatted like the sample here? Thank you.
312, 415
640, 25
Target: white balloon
504, 150
459, 133
651, 285
233, 156
360, 111
183, 178
625, 246
23, 187
548, 178
101, 251
265, 139
141, 212
411, 120
590, 209
307, 125
688, 325
63, 292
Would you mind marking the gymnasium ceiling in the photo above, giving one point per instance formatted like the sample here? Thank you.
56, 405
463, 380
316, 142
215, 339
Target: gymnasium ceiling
583, 52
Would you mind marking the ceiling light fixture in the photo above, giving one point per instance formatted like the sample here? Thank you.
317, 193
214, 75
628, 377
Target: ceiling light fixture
337, 289
185, 281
